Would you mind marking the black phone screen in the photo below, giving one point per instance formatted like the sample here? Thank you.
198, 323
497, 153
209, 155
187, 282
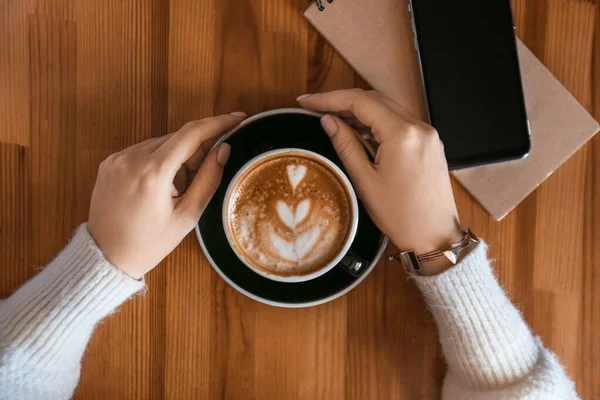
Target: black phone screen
472, 80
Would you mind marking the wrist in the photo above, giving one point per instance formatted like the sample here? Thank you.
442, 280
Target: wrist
428, 239
110, 253
435, 267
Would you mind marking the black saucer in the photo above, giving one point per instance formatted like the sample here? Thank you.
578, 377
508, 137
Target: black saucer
268, 131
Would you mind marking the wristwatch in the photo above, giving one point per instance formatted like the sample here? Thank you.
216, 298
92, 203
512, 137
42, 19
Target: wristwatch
411, 260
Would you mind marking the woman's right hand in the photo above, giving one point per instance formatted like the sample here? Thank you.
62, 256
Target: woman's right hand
407, 190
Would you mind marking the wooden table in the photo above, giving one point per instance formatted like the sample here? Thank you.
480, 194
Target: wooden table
80, 79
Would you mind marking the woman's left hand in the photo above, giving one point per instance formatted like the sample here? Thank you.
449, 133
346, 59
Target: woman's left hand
138, 215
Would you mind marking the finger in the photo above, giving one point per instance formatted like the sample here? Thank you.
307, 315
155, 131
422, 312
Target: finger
185, 142
185, 174
194, 162
349, 149
369, 111
397, 108
206, 182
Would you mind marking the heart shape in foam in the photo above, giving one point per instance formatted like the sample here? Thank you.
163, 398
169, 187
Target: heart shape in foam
296, 250
295, 174
292, 219
304, 242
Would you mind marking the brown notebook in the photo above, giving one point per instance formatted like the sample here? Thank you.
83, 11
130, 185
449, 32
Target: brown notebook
377, 40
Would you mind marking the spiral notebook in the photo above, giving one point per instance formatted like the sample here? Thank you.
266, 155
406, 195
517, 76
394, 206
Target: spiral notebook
377, 40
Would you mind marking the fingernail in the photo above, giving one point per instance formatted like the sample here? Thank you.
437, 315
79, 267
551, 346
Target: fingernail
303, 97
329, 124
240, 114
223, 154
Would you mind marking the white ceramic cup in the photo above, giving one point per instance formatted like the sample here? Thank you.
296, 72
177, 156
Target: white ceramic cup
342, 178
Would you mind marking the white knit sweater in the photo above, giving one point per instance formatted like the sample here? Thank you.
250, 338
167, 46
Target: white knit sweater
491, 353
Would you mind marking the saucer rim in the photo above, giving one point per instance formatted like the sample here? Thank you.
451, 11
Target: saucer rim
373, 264
382, 247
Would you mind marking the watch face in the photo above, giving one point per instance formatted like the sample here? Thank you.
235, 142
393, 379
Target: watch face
410, 261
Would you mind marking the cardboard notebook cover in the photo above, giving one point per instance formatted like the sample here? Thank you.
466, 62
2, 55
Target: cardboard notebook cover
377, 40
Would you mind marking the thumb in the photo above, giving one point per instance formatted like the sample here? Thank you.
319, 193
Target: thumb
206, 182
349, 148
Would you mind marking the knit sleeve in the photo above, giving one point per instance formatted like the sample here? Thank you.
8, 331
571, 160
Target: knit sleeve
46, 324
490, 350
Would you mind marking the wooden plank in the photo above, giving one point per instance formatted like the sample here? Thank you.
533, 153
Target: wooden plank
302, 352
157, 279
236, 58
569, 39
52, 53
236, 54
188, 274
121, 72
279, 86
15, 240
119, 356
188, 340
587, 380
121, 99
392, 347
232, 357
192, 35
554, 304
14, 77
282, 16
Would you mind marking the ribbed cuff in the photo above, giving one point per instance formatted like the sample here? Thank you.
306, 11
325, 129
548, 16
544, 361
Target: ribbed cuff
49, 319
485, 340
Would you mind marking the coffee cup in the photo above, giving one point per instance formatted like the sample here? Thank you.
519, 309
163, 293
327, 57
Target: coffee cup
291, 215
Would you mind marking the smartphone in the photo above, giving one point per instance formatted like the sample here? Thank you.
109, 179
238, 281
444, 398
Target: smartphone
472, 81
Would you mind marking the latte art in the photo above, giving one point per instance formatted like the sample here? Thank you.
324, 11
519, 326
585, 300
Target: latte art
295, 174
289, 215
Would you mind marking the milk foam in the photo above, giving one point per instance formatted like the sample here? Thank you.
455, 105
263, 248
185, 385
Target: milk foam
295, 174
290, 217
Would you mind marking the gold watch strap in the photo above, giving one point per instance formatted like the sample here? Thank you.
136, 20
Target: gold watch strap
412, 261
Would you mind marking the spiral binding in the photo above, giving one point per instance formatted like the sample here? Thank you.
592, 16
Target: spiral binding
320, 4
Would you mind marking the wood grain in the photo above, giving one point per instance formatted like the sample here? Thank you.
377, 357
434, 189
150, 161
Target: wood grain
15, 232
82, 79
52, 77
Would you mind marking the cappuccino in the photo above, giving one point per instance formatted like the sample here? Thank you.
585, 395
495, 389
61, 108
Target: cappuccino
289, 214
